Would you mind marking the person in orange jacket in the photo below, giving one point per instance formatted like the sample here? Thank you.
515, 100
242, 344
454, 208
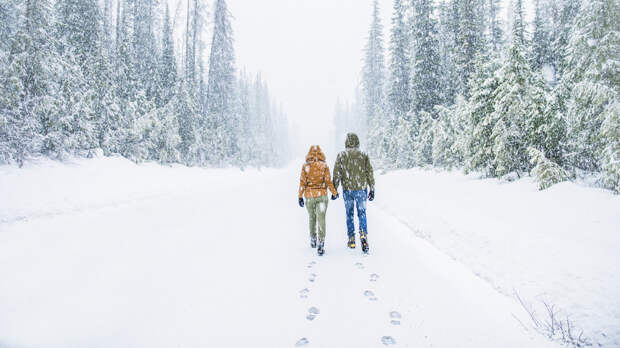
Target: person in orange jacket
313, 185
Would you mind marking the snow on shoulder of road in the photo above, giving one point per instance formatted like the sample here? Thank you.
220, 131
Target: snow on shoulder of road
560, 246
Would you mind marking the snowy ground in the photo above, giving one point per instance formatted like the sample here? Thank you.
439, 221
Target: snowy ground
560, 246
104, 253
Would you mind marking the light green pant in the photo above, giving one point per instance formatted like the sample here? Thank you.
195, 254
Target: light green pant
317, 207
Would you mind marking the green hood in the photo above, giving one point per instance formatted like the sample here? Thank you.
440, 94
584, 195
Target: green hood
353, 142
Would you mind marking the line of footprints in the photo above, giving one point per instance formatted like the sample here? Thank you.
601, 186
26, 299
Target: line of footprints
313, 312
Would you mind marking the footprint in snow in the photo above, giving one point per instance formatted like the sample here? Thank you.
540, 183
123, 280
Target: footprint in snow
312, 277
395, 315
311, 264
395, 322
388, 340
312, 313
304, 293
374, 277
371, 295
313, 310
359, 265
302, 342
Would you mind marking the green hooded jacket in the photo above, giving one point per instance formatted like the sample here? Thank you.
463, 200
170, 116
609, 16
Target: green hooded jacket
353, 168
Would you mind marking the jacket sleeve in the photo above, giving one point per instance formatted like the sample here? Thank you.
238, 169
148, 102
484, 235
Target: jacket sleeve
328, 181
303, 180
370, 175
337, 172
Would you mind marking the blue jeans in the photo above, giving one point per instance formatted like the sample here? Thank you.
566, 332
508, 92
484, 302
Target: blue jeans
357, 198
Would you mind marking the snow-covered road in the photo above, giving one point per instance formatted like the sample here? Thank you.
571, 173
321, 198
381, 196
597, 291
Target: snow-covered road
223, 261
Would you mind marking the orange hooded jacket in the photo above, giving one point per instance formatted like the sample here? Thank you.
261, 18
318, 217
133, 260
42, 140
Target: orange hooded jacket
315, 176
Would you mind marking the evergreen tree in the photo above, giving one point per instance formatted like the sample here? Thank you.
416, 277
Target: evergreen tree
167, 64
518, 108
478, 147
470, 40
541, 50
496, 34
9, 13
546, 172
221, 85
33, 71
426, 77
448, 30
424, 141
373, 80
563, 31
399, 93
144, 46
592, 79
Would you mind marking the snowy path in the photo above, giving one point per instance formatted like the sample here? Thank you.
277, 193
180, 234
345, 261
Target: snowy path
228, 266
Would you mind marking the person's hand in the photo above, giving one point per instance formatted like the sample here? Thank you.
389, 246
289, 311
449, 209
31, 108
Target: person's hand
371, 195
335, 197
301, 202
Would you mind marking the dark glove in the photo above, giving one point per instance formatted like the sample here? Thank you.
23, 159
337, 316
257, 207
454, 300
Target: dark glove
301, 202
335, 197
371, 195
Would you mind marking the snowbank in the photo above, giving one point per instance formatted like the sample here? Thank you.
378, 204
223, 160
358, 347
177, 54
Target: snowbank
561, 245
45, 187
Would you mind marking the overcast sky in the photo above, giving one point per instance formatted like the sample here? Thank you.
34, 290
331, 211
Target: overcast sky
309, 51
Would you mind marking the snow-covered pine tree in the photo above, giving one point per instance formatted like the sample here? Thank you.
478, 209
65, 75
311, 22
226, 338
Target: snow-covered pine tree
591, 76
444, 138
448, 30
406, 135
221, 87
167, 77
399, 91
541, 52
478, 152
184, 106
108, 35
518, 106
426, 72
33, 72
610, 131
546, 172
470, 40
82, 44
425, 139
9, 14
562, 32
246, 138
19, 123
145, 46
373, 81
495, 32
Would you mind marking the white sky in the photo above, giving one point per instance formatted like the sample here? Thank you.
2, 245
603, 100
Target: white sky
309, 51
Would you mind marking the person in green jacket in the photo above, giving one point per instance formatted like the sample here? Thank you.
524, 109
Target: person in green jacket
354, 171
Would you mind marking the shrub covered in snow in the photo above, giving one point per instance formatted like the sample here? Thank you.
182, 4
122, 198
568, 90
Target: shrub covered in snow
546, 172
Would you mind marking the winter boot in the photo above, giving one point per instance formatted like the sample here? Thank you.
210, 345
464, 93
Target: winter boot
320, 250
313, 242
351, 243
364, 241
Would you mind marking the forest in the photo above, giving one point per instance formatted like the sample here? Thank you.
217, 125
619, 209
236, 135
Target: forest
459, 85
83, 77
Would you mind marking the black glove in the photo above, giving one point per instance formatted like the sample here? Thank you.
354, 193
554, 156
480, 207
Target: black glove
335, 197
371, 195
301, 202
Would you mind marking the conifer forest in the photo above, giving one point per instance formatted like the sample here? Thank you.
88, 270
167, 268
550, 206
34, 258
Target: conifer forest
457, 84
